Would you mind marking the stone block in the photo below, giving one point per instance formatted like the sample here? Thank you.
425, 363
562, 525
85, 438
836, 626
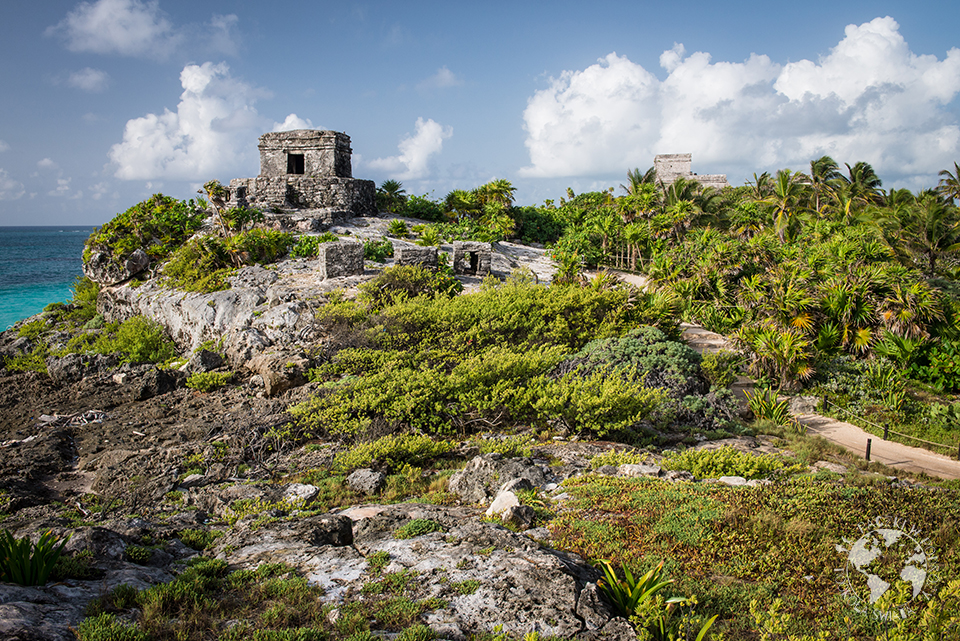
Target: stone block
414, 255
342, 258
471, 258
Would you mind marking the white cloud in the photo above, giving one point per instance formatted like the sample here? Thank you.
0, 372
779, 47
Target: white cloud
46, 163
869, 99
292, 122
212, 131
443, 78
140, 29
10, 189
4, 146
89, 79
415, 151
99, 190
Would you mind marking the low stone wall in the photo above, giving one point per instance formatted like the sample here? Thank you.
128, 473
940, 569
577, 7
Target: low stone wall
342, 258
333, 198
415, 255
471, 258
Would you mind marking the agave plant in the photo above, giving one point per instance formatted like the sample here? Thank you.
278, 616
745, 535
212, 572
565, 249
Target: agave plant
27, 563
628, 593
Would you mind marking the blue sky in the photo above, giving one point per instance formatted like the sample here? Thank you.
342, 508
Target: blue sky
105, 102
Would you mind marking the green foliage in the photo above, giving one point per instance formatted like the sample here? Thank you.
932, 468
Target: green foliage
33, 329
377, 251
27, 563
139, 554
158, 225
721, 368
398, 229
407, 281
203, 264
422, 208
208, 381
106, 627
199, 540
309, 246
628, 593
416, 527
723, 461
392, 451
74, 566
137, 340
766, 405
618, 458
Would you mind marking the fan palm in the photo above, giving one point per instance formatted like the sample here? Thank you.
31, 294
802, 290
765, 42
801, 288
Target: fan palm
824, 171
786, 202
637, 180
391, 194
949, 184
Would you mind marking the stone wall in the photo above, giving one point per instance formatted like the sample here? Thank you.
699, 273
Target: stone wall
325, 153
669, 167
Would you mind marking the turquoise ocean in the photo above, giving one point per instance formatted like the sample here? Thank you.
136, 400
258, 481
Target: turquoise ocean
37, 266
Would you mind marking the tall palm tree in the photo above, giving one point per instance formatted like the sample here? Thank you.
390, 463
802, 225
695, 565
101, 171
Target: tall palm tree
824, 171
863, 184
949, 184
499, 191
391, 194
786, 202
637, 180
760, 187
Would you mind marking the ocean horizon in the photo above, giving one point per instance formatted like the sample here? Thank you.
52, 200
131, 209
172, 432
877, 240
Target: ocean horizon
38, 266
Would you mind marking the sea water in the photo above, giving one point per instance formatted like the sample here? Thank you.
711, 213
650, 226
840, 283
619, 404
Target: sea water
37, 266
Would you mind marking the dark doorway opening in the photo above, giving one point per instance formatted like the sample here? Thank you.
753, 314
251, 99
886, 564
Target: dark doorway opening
295, 163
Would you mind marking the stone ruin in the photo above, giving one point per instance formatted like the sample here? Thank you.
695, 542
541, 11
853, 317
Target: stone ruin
669, 167
305, 175
471, 258
342, 258
416, 255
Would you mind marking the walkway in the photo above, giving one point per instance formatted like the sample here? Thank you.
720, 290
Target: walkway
847, 435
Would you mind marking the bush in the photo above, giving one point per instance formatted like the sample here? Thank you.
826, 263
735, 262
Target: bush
309, 246
199, 540
422, 208
208, 381
106, 627
398, 229
377, 251
158, 225
721, 368
723, 461
416, 527
203, 264
407, 281
392, 451
27, 563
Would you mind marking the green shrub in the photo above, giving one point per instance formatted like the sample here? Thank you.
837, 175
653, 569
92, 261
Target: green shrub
618, 458
407, 281
392, 451
208, 381
766, 405
74, 566
139, 554
416, 527
723, 461
158, 225
721, 368
199, 540
422, 208
309, 246
28, 563
377, 251
106, 627
201, 265
398, 229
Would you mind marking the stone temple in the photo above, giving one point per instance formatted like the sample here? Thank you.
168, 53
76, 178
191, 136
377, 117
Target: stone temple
305, 175
672, 166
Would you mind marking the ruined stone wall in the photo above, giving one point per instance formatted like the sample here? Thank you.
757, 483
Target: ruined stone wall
336, 197
669, 167
325, 153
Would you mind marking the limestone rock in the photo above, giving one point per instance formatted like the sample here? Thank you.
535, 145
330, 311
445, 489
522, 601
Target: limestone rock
734, 481
632, 470
476, 481
503, 502
342, 258
300, 493
518, 516
74, 367
366, 481
415, 255
103, 269
156, 382
279, 371
203, 361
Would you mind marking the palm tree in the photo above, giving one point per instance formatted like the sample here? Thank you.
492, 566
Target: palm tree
499, 191
786, 202
391, 195
824, 171
863, 184
637, 180
931, 231
644, 201
461, 203
949, 184
760, 188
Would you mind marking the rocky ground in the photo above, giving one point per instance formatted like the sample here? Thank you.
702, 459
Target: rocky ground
144, 474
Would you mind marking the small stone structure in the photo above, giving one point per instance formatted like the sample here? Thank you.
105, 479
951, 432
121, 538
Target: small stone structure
342, 258
415, 255
672, 166
305, 169
471, 258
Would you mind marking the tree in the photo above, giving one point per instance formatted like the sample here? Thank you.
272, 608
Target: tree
637, 181
391, 195
949, 185
863, 184
499, 191
786, 202
824, 172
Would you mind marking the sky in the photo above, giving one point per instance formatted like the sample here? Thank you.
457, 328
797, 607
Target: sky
105, 102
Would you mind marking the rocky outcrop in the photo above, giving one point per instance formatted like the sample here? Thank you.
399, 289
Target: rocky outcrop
483, 477
102, 268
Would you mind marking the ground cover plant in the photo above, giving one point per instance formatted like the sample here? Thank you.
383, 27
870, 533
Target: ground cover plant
729, 546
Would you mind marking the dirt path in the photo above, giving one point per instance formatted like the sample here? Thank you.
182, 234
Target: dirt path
847, 435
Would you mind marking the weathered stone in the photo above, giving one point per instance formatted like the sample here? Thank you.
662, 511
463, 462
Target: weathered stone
633, 470
803, 404
156, 382
518, 516
366, 481
300, 493
102, 268
734, 481
592, 609
74, 367
193, 480
679, 475
342, 258
522, 484
305, 170
415, 255
669, 167
618, 629
203, 361
279, 372
471, 258
137, 262
503, 502
476, 482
